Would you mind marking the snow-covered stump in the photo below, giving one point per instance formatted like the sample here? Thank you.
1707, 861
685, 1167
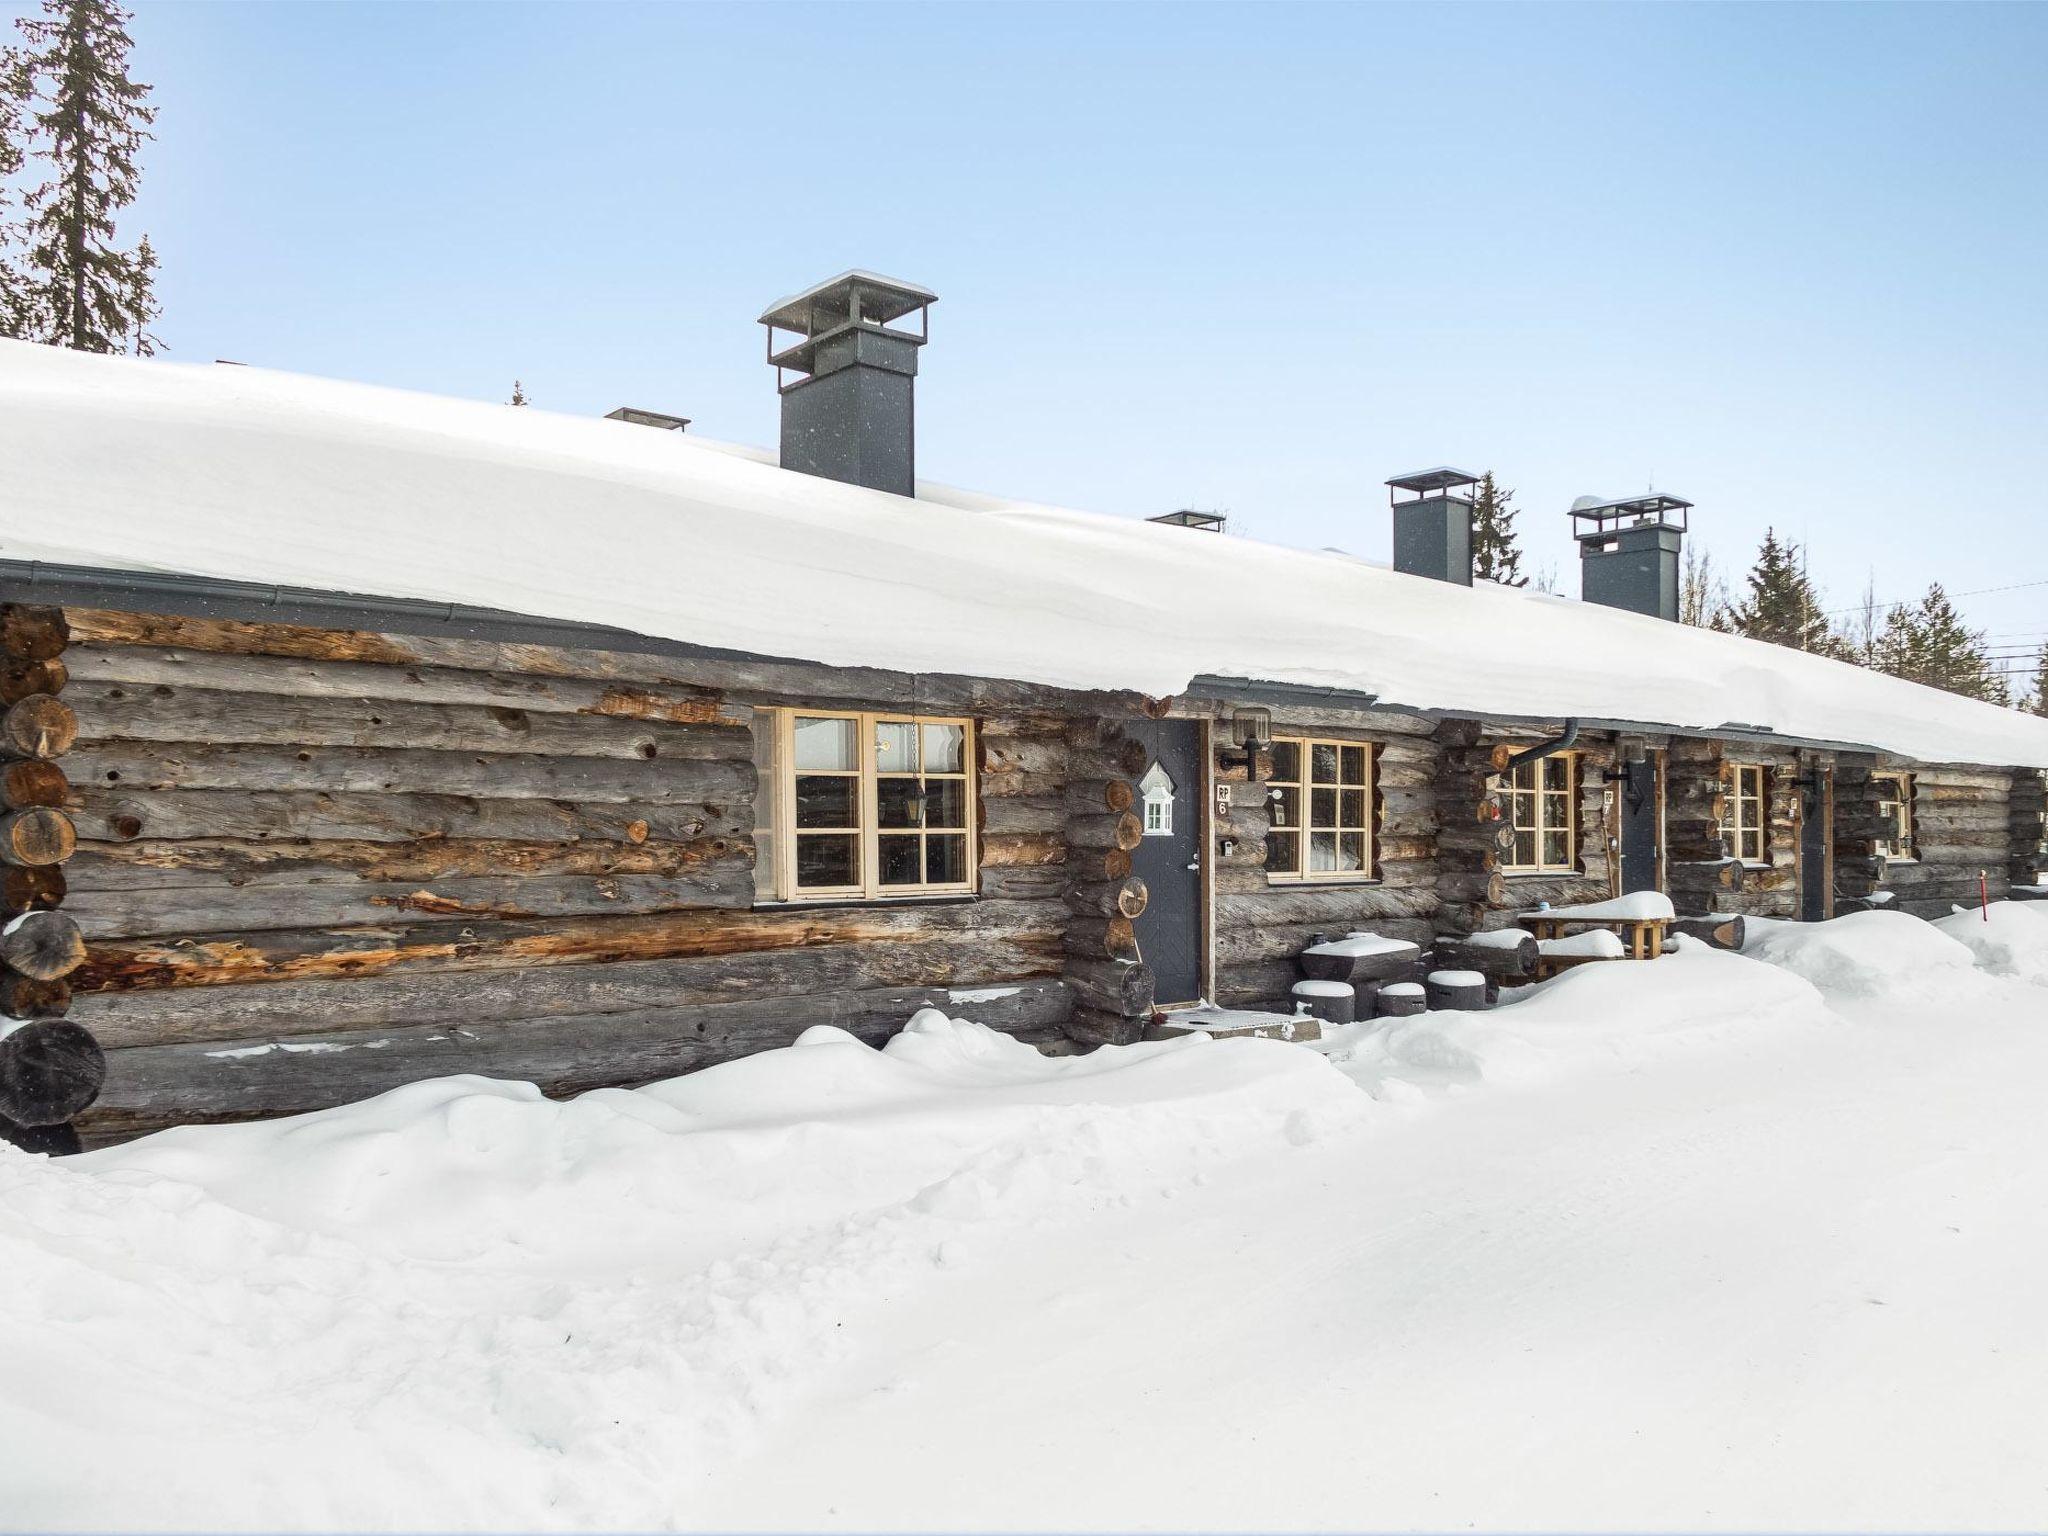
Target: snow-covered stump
1334, 1002
1400, 1000
1716, 931
1360, 957
1456, 991
1499, 954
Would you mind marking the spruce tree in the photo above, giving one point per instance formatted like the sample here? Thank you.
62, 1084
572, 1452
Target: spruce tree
1494, 555
17, 313
518, 393
1783, 606
92, 296
2037, 702
1929, 643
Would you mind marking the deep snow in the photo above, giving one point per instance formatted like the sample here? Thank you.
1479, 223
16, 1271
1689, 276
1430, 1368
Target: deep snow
1722, 1241
249, 475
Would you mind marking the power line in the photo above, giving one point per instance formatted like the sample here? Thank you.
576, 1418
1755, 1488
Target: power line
1887, 607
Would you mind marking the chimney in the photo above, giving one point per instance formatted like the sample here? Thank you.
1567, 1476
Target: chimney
1628, 551
1188, 517
1433, 527
851, 412
640, 417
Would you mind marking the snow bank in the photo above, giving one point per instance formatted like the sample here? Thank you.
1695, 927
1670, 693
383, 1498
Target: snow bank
1865, 955
1594, 944
250, 475
1592, 1017
460, 1304
2013, 942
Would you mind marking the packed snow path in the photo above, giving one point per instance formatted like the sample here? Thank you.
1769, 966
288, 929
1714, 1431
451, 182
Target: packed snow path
1714, 1243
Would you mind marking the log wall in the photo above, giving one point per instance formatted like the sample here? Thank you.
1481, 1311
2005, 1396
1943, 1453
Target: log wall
1705, 875
1261, 925
315, 864
1598, 874
1962, 833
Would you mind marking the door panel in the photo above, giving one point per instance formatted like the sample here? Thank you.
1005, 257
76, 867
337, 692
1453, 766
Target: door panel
1640, 811
1168, 857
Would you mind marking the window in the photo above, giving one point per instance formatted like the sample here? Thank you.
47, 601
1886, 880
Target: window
868, 805
1540, 809
1319, 804
1895, 815
1743, 825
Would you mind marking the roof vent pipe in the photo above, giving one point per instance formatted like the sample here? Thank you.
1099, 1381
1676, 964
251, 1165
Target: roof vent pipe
1629, 551
1433, 525
851, 412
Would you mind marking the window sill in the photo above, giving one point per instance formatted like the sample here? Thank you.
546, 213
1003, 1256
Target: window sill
1322, 882
818, 903
1544, 874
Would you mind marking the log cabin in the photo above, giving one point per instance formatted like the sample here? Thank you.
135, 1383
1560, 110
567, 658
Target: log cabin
353, 737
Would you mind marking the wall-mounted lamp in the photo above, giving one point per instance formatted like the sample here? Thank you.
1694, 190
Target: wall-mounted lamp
1251, 728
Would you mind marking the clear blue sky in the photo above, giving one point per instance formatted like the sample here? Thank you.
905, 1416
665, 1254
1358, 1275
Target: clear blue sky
1787, 261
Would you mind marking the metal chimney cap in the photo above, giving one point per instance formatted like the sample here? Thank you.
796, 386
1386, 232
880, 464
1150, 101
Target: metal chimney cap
643, 418
1423, 481
825, 304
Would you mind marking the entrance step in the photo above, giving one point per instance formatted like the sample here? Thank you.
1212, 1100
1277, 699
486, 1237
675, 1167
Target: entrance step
1234, 1024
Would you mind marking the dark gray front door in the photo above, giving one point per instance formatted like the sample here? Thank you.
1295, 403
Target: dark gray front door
1816, 825
1639, 810
1168, 857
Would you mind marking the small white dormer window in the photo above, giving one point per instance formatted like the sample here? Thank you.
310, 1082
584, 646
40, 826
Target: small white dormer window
1157, 791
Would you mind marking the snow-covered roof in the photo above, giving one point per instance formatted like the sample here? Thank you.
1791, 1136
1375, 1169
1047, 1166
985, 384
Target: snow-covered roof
248, 475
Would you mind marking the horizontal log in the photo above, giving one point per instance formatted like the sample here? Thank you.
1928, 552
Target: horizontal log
50, 1070
1011, 849
1109, 898
24, 997
149, 865
145, 667
1085, 865
20, 678
765, 682
1023, 882
1496, 962
25, 888
117, 817
145, 767
1098, 1026
1392, 965
1110, 986
295, 954
1108, 831
1101, 938
291, 1009
1099, 795
1029, 755
38, 726
117, 712
143, 912
44, 946
36, 837
33, 632
150, 1087
1718, 932
32, 782
1031, 818
1123, 759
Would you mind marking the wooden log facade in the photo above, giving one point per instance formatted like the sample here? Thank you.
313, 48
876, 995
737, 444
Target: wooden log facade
257, 868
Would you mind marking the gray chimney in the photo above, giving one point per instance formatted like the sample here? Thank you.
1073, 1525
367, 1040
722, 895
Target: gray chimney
1629, 550
851, 413
1433, 527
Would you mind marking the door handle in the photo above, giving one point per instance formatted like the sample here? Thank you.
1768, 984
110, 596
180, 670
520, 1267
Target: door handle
1194, 864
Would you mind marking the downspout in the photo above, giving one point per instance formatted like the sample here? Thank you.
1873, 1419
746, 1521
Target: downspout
1567, 738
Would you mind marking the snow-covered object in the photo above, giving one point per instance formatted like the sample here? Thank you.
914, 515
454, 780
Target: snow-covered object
1496, 938
1865, 954
1458, 978
1637, 906
1403, 989
250, 475
2010, 938
1356, 945
1315, 988
1594, 944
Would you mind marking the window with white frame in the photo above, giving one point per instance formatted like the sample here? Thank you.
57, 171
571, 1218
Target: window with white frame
1539, 797
1895, 816
1319, 806
1743, 822
865, 805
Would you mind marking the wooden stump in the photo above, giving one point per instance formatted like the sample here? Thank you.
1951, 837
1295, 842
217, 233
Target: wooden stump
1456, 991
1334, 1002
1716, 932
1382, 965
1400, 1000
50, 1070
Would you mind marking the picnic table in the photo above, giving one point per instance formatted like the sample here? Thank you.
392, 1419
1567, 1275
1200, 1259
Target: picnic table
1641, 922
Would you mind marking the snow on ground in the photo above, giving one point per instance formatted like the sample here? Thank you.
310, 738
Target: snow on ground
1719, 1242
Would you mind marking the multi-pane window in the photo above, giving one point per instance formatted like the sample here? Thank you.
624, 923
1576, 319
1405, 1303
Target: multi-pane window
1895, 815
1539, 799
1319, 805
870, 805
1743, 824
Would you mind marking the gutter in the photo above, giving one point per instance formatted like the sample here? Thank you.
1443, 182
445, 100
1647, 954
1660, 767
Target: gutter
1566, 738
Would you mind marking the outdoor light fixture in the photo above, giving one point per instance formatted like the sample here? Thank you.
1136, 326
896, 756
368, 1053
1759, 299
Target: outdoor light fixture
1251, 727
